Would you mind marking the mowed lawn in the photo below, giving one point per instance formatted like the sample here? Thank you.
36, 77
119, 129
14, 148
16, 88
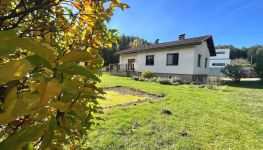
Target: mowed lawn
209, 119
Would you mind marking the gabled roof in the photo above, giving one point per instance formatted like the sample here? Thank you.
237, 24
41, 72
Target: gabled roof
175, 44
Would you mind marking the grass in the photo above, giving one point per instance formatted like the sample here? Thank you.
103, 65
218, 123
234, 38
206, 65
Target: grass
113, 98
212, 119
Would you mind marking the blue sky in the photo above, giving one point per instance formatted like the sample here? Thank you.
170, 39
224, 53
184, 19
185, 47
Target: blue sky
237, 22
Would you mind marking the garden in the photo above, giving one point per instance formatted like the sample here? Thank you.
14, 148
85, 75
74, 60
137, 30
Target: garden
186, 117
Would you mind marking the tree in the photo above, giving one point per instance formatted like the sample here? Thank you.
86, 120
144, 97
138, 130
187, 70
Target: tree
47, 99
234, 72
259, 64
124, 42
234, 52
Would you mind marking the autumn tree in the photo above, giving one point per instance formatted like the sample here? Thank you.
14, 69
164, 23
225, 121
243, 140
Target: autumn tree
48, 99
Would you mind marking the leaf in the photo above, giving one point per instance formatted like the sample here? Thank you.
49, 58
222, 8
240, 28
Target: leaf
47, 91
62, 107
76, 56
75, 69
14, 70
9, 42
120, 5
38, 61
50, 134
76, 5
23, 137
10, 98
6, 117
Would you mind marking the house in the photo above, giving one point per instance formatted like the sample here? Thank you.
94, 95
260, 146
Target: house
218, 62
185, 59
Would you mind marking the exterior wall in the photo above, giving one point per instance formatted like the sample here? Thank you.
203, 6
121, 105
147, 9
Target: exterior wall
187, 68
219, 54
185, 63
182, 77
223, 61
220, 58
124, 60
215, 72
204, 52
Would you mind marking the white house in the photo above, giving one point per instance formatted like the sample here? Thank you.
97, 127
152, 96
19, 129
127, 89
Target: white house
187, 59
218, 62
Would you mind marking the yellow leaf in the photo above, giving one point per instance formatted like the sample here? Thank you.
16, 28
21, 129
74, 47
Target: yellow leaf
14, 70
47, 91
6, 117
76, 56
121, 5
60, 106
10, 98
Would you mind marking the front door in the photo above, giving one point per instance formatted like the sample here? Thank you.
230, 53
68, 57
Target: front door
131, 64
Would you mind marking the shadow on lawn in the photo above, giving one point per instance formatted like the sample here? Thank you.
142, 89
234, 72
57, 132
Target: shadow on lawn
247, 84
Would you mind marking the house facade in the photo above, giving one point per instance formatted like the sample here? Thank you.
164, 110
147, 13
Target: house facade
218, 62
185, 59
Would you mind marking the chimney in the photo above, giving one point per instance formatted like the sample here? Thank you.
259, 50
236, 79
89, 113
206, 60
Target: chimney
181, 36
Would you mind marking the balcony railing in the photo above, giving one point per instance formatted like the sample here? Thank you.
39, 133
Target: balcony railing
121, 67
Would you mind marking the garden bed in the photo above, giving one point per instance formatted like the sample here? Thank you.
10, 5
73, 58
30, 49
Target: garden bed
123, 96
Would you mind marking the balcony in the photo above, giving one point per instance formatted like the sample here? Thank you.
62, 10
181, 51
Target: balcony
122, 69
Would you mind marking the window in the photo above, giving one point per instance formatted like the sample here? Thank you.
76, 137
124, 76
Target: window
220, 52
130, 61
206, 60
199, 60
149, 60
218, 64
172, 59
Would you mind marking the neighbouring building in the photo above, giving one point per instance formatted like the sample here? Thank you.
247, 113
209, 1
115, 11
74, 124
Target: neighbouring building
185, 59
218, 62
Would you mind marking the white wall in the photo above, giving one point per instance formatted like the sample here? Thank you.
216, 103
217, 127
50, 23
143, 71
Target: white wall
220, 58
185, 64
124, 58
204, 52
188, 58
224, 61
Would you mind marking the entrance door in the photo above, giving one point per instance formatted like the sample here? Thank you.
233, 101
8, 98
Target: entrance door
131, 64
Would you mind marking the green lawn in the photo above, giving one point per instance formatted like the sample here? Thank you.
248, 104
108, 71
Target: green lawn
212, 119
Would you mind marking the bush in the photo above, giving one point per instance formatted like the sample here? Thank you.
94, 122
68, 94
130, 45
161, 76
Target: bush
141, 79
215, 81
259, 64
147, 74
176, 80
233, 71
136, 78
154, 79
259, 70
165, 81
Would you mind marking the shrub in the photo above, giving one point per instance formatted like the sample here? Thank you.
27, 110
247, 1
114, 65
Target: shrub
165, 81
147, 74
154, 79
215, 81
176, 80
136, 78
259, 64
141, 79
233, 71
259, 70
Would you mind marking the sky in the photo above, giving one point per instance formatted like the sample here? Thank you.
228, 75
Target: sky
237, 22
